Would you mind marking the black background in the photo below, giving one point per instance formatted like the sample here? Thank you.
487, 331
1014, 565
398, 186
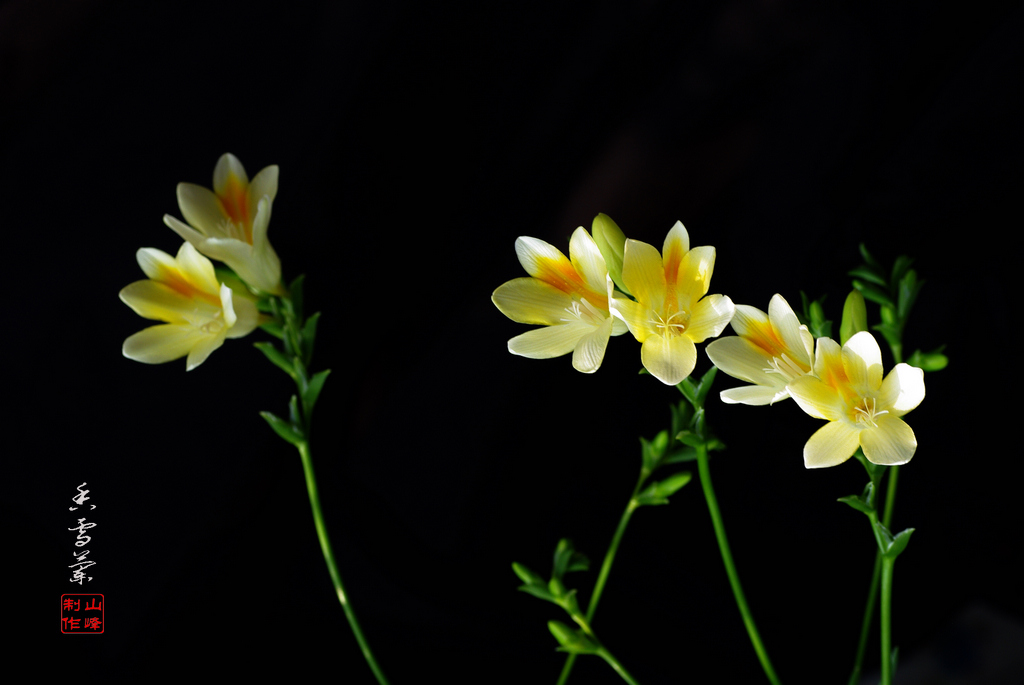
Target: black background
415, 144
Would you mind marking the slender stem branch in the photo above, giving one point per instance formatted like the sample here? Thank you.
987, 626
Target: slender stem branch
332, 567
606, 567
730, 567
887, 568
614, 663
869, 609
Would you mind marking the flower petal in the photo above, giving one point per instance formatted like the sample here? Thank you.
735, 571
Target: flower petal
832, 444
163, 343
635, 316
531, 300
890, 441
588, 262
226, 167
670, 359
264, 183
643, 273
818, 399
694, 275
902, 389
247, 317
202, 209
550, 341
753, 395
709, 317
862, 360
798, 341
589, 351
677, 244
155, 300
742, 359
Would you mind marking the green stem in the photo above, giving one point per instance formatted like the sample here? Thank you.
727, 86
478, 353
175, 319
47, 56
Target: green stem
332, 567
887, 568
869, 610
613, 662
606, 567
730, 567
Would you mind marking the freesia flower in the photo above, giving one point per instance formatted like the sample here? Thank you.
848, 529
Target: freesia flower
769, 350
200, 313
861, 408
669, 314
230, 223
567, 296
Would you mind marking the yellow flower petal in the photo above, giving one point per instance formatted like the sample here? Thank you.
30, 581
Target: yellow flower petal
889, 442
709, 317
532, 301
643, 273
832, 444
670, 359
550, 341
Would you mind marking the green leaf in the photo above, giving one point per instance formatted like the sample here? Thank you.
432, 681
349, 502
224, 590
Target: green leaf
868, 259
284, 429
900, 268
276, 356
929, 361
869, 275
704, 387
572, 641
567, 559
873, 293
899, 543
526, 575
293, 411
297, 297
274, 329
540, 592
857, 503
670, 485
658, 492
689, 390
309, 337
679, 456
312, 393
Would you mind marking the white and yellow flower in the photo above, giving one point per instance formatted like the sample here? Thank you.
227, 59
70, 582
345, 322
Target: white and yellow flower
230, 222
184, 292
861, 408
670, 313
769, 350
567, 296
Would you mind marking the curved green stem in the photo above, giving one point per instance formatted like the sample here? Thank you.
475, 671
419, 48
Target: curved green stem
332, 567
606, 567
730, 567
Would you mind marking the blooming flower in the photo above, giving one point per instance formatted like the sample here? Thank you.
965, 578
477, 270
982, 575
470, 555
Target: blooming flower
230, 223
568, 296
861, 409
669, 314
183, 291
769, 350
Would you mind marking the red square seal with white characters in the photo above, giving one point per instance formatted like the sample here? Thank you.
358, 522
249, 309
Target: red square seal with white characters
81, 614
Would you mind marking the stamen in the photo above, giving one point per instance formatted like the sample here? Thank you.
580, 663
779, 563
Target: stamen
676, 323
869, 412
785, 367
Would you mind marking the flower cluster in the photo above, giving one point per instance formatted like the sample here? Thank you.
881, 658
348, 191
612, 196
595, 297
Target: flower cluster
842, 385
609, 285
660, 299
228, 224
